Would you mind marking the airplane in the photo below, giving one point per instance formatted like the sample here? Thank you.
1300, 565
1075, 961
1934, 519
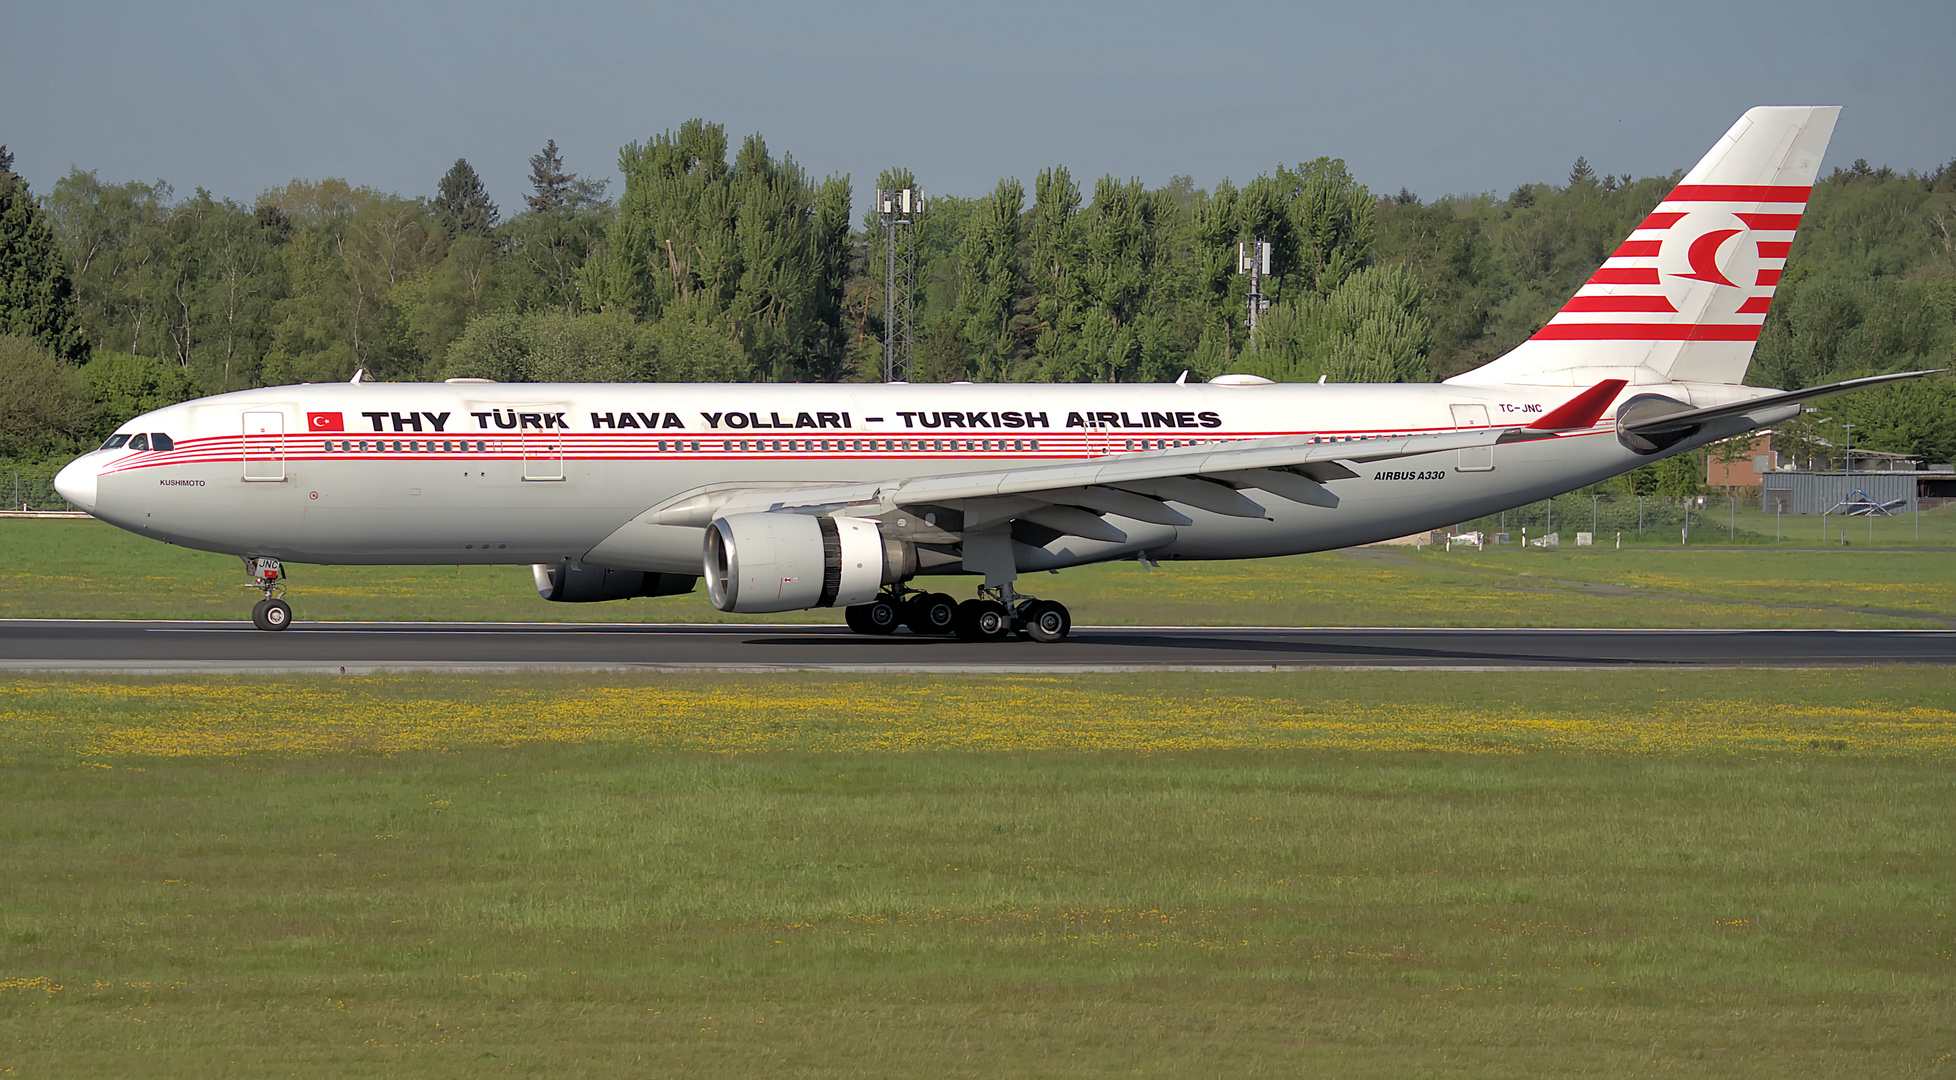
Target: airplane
788, 497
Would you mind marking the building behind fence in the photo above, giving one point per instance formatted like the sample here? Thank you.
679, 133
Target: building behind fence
1824, 492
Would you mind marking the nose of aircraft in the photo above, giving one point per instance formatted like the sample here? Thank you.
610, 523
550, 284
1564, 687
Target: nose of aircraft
76, 483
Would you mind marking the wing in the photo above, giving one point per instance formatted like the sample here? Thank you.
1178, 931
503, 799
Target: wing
1073, 498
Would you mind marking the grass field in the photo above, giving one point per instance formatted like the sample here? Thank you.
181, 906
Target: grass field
1680, 873
88, 569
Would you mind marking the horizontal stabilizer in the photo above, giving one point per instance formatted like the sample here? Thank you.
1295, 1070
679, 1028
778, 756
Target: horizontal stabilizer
1684, 416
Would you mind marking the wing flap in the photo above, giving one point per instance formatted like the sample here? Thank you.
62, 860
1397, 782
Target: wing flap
1115, 501
1283, 484
1201, 494
1075, 522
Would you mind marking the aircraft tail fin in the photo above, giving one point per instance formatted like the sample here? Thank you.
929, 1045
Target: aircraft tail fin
1683, 298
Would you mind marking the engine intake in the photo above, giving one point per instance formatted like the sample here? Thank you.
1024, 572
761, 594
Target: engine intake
786, 562
581, 583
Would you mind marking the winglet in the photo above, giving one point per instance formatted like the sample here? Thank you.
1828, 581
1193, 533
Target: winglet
1581, 411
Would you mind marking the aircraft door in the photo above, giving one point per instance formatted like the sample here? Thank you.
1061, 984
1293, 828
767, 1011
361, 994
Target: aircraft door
543, 454
1097, 439
1472, 458
264, 447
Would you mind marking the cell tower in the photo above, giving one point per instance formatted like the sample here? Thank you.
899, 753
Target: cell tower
899, 208
1254, 259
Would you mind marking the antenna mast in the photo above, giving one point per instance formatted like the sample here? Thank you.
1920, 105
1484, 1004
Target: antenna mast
899, 208
1254, 259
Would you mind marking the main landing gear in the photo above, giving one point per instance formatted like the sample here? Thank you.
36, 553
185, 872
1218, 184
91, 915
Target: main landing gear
996, 614
268, 577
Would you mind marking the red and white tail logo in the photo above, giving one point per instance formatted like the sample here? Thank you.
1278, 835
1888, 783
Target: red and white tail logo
1701, 267
1683, 298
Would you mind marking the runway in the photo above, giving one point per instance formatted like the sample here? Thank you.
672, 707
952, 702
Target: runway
217, 647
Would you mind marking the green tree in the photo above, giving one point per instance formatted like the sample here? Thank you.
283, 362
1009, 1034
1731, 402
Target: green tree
743, 247
611, 346
44, 404
37, 297
550, 184
348, 251
124, 385
825, 346
1055, 271
542, 251
542, 254
989, 261
1118, 237
241, 278
1372, 328
462, 204
1917, 417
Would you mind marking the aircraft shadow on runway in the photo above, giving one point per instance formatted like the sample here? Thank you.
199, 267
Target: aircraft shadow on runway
1305, 651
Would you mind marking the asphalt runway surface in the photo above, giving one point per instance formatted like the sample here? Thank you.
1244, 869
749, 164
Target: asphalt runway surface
118, 646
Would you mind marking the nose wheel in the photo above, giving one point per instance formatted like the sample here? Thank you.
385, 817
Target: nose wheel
271, 613
268, 577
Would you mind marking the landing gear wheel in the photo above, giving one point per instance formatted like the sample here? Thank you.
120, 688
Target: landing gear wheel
1045, 620
879, 616
271, 614
983, 620
932, 613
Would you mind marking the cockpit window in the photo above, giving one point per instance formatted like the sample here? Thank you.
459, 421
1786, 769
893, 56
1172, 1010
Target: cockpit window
140, 442
115, 442
160, 441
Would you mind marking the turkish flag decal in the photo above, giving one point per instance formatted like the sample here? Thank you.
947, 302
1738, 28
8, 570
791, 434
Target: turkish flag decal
325, 421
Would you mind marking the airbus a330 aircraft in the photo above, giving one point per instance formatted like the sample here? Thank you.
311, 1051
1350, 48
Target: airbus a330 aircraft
789, 497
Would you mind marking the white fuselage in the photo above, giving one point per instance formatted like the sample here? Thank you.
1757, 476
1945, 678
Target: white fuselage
542, 473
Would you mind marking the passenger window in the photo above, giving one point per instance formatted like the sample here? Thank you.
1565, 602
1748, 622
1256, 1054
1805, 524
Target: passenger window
115, 442
160, 441
140, 442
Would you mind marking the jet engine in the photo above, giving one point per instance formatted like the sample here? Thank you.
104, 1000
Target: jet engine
580, 583
784, 562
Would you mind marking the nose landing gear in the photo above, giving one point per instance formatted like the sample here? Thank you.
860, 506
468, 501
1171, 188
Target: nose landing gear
268, 577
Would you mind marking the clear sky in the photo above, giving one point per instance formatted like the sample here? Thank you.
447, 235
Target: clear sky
1438, 97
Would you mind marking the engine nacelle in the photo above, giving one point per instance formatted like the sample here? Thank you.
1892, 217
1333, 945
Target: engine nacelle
580, 583
786, 562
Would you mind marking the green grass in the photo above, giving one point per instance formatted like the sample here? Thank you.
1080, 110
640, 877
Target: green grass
1762, 888
91, 570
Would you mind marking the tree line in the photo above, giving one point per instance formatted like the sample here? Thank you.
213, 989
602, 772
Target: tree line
723, 263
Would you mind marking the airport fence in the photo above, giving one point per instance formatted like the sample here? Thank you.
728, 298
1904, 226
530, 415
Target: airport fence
34, 493
1720, 517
